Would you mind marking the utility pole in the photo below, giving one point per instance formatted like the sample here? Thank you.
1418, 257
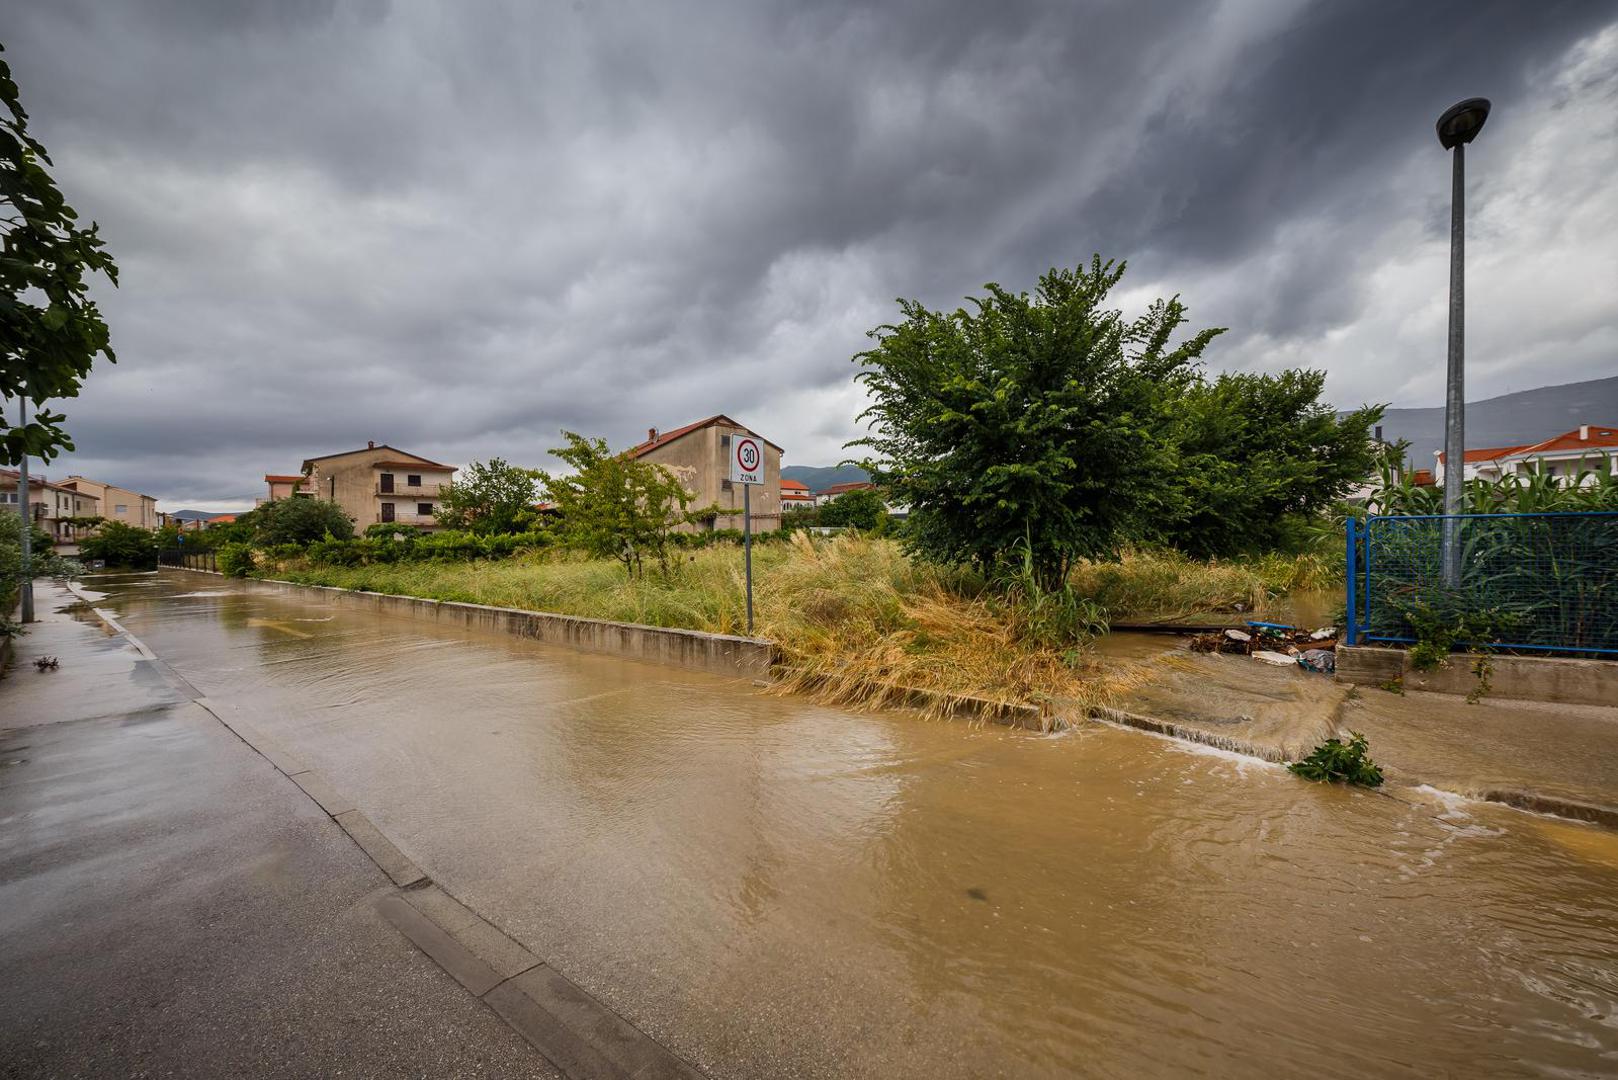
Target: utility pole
25, 588
1458, 126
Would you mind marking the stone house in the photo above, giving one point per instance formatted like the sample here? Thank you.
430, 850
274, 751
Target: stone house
699, 456
374, 485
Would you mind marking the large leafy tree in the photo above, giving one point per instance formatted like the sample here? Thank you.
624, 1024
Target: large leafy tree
861, 509
1258, 453
489, 498
50, 329
119, 544
617, 506
298, 520
1042, 421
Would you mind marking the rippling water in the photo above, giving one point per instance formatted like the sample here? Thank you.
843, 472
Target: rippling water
777, 888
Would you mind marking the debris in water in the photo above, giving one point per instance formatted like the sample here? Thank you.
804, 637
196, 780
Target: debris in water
1279, 659
1321, 660
46, 663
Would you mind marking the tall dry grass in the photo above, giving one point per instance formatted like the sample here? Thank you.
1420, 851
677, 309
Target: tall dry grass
855, 621
1158, 585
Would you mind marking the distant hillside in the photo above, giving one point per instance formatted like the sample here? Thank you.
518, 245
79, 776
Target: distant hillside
193, 515
1528, 416
821, 477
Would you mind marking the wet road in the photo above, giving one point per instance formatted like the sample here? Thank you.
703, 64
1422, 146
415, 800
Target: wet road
772, 887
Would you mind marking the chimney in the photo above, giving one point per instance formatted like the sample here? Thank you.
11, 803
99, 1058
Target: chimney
370, 444
651, 434
1584, 432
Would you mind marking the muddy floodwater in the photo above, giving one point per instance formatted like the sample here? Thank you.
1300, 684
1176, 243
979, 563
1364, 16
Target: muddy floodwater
772, 887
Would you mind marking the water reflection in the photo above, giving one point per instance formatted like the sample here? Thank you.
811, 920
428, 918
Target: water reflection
776, 887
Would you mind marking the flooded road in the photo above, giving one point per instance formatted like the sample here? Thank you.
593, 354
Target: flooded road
773, 887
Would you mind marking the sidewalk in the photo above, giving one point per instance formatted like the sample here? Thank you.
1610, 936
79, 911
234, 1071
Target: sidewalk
172, 904
1556, 758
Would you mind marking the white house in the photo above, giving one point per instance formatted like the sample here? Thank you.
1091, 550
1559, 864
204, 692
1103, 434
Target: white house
1588, 448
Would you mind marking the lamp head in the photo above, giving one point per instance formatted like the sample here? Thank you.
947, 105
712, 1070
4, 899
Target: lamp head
1462, 121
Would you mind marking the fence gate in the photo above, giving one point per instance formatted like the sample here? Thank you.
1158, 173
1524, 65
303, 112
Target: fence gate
1542, 582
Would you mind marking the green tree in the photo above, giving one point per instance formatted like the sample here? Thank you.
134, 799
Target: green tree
299, 520
1041, 420
118, 544
861, 509
491, 498
50, 330
617, 506
1257, 455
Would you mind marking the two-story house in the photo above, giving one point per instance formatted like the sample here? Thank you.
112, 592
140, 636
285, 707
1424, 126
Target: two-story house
699, 457
56, 508
117, 504
379, 484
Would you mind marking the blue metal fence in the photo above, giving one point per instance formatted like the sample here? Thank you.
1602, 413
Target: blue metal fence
1541, 582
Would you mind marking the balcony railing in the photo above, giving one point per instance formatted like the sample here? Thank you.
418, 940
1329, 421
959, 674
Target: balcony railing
424, 490
410, 520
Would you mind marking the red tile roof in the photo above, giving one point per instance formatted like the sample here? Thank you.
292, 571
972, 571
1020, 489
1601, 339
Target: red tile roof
418, 464
1601, 435
1489, 454
839, 489
665, 437
793, 485
271, 478
379, 446
1422, 478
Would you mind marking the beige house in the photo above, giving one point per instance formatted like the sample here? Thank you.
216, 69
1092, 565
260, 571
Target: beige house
374, 485
699, 457
53, 508
117, 504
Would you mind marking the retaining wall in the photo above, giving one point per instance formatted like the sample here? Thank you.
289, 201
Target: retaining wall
720, 654
1525, 678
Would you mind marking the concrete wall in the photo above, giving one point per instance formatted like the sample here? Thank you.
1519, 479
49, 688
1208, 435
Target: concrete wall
719, 654
1525, 678
701, 463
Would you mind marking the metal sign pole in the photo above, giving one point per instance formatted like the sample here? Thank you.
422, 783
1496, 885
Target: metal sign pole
747, 549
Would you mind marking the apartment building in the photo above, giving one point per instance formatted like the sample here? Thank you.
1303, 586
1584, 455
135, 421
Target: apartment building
377, 484
699, 456
117, 504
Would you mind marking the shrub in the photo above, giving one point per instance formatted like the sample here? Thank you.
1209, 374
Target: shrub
300, 520
1337, 762
117, 544
234, 559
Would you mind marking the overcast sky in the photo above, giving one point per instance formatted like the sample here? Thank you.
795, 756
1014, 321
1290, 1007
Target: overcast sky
459, 227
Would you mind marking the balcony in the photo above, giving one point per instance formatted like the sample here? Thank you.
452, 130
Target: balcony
410, 521
407, 491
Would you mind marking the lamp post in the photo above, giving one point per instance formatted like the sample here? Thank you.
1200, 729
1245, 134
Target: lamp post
1458, 126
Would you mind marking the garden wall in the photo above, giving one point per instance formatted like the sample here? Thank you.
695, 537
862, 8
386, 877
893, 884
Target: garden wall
1525, 678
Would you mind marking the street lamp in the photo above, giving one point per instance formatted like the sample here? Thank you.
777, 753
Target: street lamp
1458, 126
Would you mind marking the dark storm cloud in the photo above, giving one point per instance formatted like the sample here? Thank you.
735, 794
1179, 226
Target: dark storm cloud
458, 228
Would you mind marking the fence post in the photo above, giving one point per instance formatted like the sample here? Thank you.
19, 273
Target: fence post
1352, 635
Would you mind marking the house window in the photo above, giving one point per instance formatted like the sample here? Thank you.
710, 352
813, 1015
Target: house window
387, 482
414, 479
424, 509
387, 511
121, 508
724, 485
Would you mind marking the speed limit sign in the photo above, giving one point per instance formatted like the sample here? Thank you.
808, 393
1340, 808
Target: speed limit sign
746, 459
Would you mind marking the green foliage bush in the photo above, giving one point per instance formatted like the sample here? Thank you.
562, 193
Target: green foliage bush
121, 545
298, 520
861, 509
1337, 762
234, 559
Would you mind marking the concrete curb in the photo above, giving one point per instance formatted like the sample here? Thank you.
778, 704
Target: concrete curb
1186, 733
695, 650
1559, 679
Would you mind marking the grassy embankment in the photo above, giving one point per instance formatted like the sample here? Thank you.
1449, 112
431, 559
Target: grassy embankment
855, 618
